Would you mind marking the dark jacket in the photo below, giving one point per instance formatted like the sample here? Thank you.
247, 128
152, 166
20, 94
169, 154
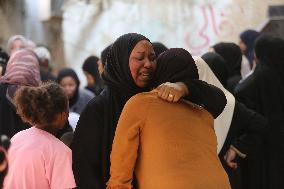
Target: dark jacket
10, 122
245, 134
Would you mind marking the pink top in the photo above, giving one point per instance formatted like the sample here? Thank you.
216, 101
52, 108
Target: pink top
37, 159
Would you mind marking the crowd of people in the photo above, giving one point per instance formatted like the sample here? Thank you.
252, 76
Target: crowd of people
150, 117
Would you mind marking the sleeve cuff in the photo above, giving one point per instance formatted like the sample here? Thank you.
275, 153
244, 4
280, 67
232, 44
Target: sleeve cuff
242, 155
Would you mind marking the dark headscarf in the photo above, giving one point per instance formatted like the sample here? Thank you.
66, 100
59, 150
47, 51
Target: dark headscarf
104, 54
119, 88
117, 74
232, 55
175, 65
218, 66
249, 37
68, 72
90, 66
269, 50
159, 48
3, 60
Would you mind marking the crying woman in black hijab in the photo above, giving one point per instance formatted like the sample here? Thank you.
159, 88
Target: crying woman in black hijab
91, 71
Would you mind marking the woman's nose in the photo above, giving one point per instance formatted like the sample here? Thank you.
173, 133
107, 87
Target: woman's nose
148, 64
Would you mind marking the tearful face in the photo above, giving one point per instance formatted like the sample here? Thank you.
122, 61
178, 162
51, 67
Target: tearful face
142, 63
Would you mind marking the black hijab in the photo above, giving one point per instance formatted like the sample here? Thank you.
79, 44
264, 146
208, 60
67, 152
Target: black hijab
232, 55
90, 66
218, 66
68, 72
117, 74
269, 50
174, 65
119, 88
248, 37
159, 48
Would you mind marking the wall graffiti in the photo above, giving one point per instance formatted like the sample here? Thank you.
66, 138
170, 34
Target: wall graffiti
213, 24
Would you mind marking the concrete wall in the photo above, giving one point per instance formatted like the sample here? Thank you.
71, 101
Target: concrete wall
86, 27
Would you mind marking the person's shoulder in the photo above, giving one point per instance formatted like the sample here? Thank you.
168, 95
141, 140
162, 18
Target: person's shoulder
143, 99
96, 104
23, 133
86, 94
51, 143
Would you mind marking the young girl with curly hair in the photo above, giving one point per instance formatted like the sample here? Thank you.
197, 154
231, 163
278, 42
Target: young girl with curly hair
37, 159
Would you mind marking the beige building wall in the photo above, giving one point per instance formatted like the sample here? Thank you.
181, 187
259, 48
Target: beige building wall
86, 27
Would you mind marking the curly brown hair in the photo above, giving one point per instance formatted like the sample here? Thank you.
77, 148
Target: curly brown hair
40, 105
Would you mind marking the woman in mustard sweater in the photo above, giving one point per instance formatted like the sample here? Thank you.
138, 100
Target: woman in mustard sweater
166, 145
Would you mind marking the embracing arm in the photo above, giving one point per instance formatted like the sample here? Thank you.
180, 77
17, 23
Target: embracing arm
87, 147
199, 92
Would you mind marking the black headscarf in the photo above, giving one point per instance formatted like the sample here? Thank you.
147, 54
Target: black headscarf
174, 65
3, 60
117, 74
218, 66
119, 88
232, 55
159, 48
269, 50
90, 66
68, 72
248, 37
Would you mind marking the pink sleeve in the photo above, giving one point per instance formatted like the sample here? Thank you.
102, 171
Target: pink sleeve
62, 175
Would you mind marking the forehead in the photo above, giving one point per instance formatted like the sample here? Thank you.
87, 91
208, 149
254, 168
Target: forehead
143, 46
68, 79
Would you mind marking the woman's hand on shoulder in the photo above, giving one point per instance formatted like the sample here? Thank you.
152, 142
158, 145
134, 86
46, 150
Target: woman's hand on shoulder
172, 92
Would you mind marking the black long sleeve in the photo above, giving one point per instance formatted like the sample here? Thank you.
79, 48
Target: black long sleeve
209, 96
247, 130
87, 147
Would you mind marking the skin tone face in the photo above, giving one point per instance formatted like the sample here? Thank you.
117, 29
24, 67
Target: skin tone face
18, 44
69, 85
142, 63
100, 67
90, 79
242, 46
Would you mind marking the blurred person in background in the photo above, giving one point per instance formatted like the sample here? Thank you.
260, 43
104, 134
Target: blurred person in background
78, 98
246, 43
44, 57
232, 55
15, 43
103, 59
22, 70
263, 91
4, 57
91, 71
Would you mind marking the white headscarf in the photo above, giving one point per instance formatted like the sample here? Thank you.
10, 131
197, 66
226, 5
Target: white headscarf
223, 121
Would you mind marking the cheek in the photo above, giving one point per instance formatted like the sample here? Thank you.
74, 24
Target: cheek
134, 67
